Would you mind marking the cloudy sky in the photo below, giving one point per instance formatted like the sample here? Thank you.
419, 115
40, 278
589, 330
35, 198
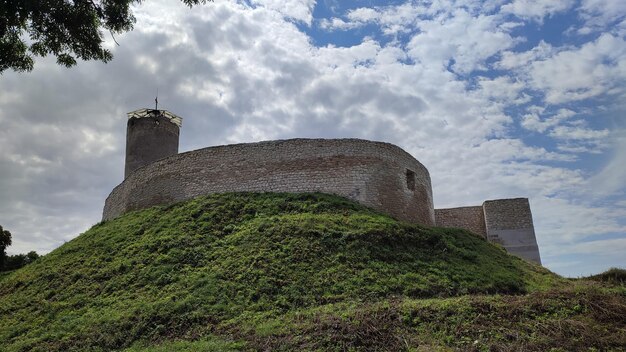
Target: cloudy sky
499, 99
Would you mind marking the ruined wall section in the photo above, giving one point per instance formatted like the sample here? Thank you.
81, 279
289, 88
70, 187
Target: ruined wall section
379, 175
468, 218
510, 223
507, 222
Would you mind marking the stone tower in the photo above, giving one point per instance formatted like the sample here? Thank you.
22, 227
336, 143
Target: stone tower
150, 135
509, 222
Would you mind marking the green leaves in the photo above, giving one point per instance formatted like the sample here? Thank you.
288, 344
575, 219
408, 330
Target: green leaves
66, 60
69, 30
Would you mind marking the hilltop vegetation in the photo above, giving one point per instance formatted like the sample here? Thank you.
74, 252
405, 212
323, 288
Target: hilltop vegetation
613, 276
285, 272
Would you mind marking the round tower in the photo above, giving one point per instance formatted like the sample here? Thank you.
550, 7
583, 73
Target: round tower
150, 135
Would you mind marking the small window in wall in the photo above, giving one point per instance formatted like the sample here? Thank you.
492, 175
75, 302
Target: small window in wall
410, 179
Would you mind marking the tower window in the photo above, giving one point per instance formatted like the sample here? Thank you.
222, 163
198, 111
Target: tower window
410, 179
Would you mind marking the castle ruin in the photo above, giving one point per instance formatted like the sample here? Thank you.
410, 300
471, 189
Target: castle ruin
379, 175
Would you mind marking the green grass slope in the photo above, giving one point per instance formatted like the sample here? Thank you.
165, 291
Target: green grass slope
284, 272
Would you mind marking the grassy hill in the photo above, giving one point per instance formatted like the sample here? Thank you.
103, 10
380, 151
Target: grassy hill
286, 272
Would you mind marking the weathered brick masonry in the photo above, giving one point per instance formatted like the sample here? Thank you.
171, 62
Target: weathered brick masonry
148, 140
469, 218
508, 222
379, 175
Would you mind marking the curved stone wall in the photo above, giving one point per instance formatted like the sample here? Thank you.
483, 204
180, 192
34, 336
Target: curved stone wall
379, 175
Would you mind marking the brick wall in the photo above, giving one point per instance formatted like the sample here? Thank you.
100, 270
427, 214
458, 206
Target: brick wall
468, 218
379, 175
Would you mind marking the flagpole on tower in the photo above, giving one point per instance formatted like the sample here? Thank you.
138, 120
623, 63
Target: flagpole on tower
156, 100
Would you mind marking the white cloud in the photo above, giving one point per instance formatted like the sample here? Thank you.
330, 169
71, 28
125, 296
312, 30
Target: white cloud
300, 10
363, 14
577, 133
595, 68
503, 89
611, 179
513, 60
391, 19
537, 10
567, 222
338, 24
600, 247
572, 136
533, 122
461, 40
601, 14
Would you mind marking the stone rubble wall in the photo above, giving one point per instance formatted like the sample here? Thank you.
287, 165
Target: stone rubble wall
378, 175
504, 214
507, 222
510, 223
468, 218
